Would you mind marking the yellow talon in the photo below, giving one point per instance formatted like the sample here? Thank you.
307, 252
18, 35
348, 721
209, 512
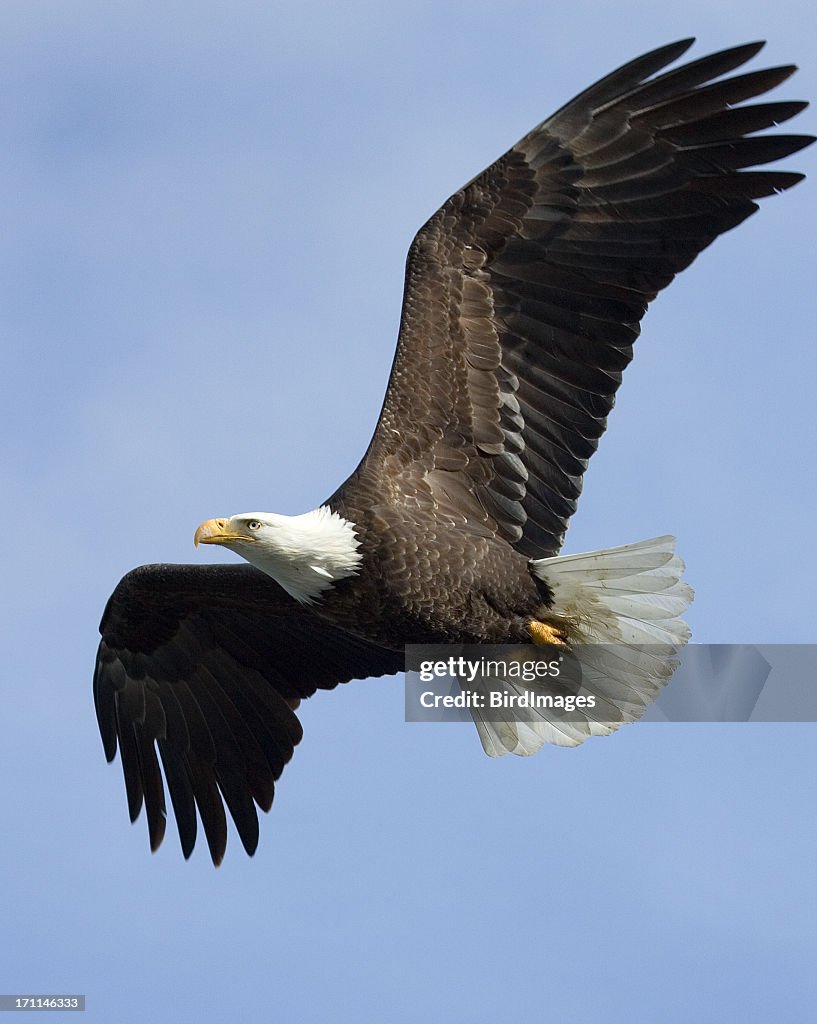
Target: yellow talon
542, 633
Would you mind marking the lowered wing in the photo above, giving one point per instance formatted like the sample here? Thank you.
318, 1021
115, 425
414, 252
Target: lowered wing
202, 667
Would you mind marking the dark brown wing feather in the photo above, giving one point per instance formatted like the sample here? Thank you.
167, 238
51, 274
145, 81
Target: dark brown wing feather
206, 663
524, 292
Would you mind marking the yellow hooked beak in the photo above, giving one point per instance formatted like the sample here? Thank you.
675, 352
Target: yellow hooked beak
214, 531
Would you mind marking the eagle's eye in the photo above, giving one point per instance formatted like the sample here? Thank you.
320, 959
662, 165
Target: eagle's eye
254, 524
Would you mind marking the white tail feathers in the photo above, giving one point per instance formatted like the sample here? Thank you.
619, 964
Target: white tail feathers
622, 609
631, 595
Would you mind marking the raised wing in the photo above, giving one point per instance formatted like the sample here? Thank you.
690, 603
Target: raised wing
525, 291
206, 664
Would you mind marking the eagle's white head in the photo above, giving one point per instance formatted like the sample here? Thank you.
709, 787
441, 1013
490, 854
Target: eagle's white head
305, 554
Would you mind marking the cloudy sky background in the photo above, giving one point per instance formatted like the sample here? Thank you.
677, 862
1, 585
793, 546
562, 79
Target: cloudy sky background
207, 209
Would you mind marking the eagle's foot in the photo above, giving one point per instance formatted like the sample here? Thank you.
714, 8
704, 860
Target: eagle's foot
542, 633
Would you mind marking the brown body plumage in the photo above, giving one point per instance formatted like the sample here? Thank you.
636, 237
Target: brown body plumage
431, 580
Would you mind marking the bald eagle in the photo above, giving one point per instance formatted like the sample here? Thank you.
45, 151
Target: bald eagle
523, 298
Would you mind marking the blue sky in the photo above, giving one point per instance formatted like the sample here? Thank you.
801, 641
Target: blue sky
207, 209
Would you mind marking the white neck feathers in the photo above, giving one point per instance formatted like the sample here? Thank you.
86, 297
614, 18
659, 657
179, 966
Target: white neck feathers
306, 554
